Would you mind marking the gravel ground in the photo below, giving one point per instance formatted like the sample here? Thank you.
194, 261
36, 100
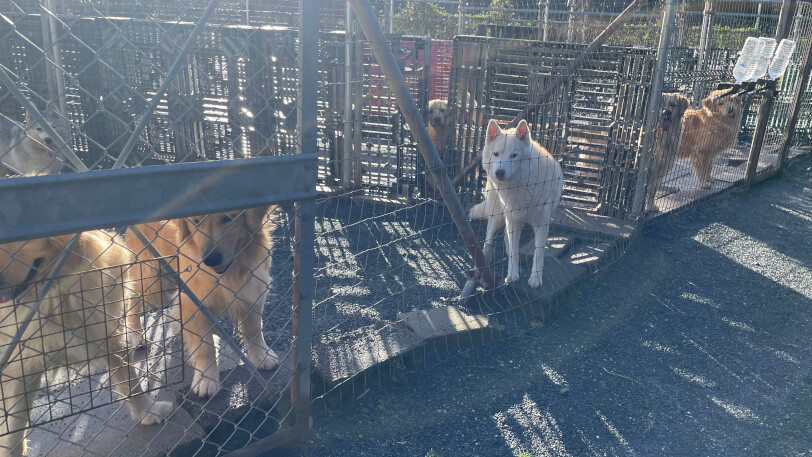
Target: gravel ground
696, 342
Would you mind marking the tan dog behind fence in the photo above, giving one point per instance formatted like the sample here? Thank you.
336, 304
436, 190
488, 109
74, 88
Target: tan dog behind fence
80, 323
666, 144
441, 130
225, 261
710, 131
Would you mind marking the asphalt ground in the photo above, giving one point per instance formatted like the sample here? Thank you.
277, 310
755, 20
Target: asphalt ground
695, 343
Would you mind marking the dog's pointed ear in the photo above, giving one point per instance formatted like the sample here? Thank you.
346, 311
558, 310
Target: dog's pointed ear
185, 227
255, 217
709, 101
523, 131
493, 131
30, 116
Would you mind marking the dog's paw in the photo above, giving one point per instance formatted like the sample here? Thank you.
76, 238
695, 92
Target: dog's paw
511, 277
264, 359
535, 280
204, 386
157, 413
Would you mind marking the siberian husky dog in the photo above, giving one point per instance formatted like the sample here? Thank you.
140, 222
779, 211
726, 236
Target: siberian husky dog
524, 186
28, 149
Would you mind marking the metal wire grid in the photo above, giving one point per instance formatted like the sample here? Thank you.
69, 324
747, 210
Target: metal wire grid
113, 69
696, 70
362, 244
79, 387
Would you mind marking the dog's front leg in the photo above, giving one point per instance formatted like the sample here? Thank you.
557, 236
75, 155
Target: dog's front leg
513, 231
495, 222
128, 384
198, 337
540, 232
19, 392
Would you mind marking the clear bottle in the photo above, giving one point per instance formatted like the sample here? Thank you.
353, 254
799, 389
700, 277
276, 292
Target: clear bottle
747, 59
781, 60
765, 54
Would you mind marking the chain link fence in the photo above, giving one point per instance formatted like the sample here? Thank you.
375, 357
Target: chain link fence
273, 207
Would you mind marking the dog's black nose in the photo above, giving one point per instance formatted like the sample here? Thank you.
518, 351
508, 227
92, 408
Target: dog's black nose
213, 259
500, 174
48, 141
667, 115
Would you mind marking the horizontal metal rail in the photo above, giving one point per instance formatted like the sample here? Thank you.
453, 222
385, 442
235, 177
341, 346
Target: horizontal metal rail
43, 206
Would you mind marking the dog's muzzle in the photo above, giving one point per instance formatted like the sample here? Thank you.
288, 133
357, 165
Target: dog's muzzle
436, 121
500, 174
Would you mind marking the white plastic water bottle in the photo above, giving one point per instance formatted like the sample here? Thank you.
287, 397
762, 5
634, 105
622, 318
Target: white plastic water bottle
781, 60
747, 59
765, 54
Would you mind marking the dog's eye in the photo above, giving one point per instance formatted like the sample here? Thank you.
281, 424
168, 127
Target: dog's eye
514, 155
442, 110
226, 219
39, 129
495, 154
195, 220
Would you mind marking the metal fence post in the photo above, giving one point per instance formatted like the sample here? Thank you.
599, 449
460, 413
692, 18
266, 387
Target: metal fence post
570, 21
783, 19
544, 19
652, 117
390, 17
304, 254
357, 112
349, 56
53, 62
796, 107
460, 18
704, 45
764, 112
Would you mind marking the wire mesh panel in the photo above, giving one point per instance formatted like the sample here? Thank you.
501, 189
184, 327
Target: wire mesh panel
182, 310
87, 315
425, 128
705, 145
593, 125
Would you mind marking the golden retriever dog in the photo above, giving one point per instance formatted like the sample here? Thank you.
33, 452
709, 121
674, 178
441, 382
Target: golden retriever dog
80, 323
709, 131
441, 131
666, 144
225, 261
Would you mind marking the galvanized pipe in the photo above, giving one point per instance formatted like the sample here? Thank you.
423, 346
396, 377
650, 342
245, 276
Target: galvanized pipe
704, 44
783, 20
758, 137
386, 60
347, 143
53, 66
796, 106
304, 259
653, 114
